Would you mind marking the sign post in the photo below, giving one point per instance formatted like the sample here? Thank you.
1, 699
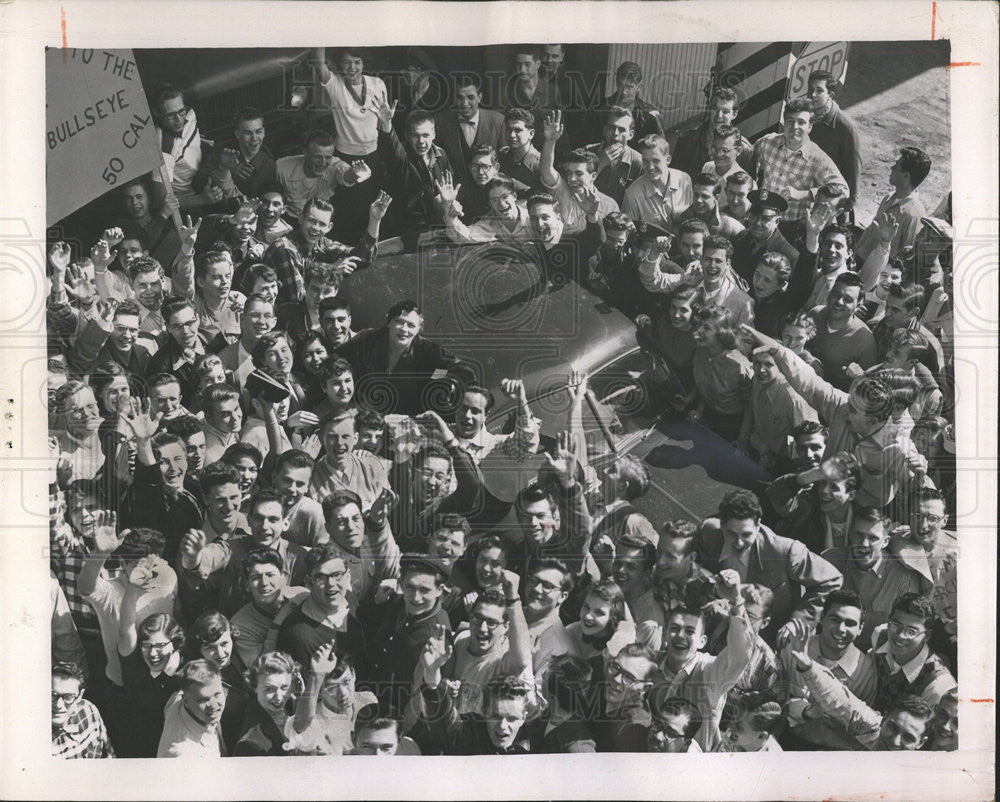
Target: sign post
99, 130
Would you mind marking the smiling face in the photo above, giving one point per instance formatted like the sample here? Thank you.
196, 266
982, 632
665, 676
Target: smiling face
447, 544
618, 130
267, 522
248, 473
819, 95
797, 126
833, 252
136, 201
467, 100
483, 169
839, 628
339, 389
339, 439
404, 328
927, 521
666, 733
223, 504
278, 359
266, 583
219, 653
338, 690
420, 592
595, 615
315, 224
766, 282
490, 564
195, 446
487, 628
765, 371
629, 572
843, 300
433, 478
544, 592
902, 732
66, 695
740, 534
148, 289
685, 635
83, 416
792, 337
116, 394
156, 651
272, 207
330, 581
225, 415
172, 460
655, 164
907, 635
318, 159
336, 325
738, 201
183, 327
346, 526
945, 726
674, 558
293, 483
206, 702
503, 203
470, 415
704, 199
721, 112
250, 136
217, 281
539, 520
546, 224
715, 264
763, 223
723, 153
834, 496
382, 742
274, 692
173, 114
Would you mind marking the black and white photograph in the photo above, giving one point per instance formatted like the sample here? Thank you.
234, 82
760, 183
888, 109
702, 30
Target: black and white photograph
439, 398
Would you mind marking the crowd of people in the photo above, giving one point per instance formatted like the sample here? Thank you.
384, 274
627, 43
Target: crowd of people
252, 554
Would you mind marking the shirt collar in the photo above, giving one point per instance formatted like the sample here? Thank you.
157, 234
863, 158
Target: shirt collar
474, 122
652, 189
911, 670
848, 661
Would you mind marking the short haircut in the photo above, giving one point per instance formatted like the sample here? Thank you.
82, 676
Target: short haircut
724, 132
646, 549
662, 704
629, 70
338, 499
319, 138
718, 242
503, 182
203, 261
139, 542
909, 292
739, 178
758, 595
404, 307
237, 450
683, 530
142, 265
725, 94
418, 117
798, 106
247, 113
336, 417
259, 272
67, 670
779, 263
761, 713
218, 393
365, 724
568, 683
320, 554
540, 199
506, 687
552, 564
853, 479
832, 192
617, 221
849, 279
335, 302
874, 395
653, 142
693, 226
484, 150
580, 156
722, 318
261, 557
452, 522
915, 163
535, 51
519, 115
293, 458
218, 473
196, 674
258, 299
916, 605
173, 304
322, 273
266, 496
929, 494
183, 426
914, 705
162, 439
165, 92
636, 475
803, 321
617, 112
209, 628
318, 204
466, 79
706, 180
269, 663
265, 344
161, 379
836, 228
833, 86
739, 505
533, 493
369, 419
843, 598
491, 597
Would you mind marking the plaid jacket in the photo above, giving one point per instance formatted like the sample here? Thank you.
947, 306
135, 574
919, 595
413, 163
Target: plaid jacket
83, 735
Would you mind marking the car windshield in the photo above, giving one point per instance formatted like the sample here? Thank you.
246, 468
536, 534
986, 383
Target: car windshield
617, 413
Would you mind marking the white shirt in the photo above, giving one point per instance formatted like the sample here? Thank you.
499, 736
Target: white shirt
357, 126
469, 128
300, 188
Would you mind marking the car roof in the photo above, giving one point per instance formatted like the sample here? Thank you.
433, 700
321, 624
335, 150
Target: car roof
490, 306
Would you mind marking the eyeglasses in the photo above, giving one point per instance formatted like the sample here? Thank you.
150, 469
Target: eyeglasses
330, 579
910, 632
67, 698
84, 411
176, 326
548, 587
615, 670
182, 112
477, 620
933, 520
157, 647
481, 168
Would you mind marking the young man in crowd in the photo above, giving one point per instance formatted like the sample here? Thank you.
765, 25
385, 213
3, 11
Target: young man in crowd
903, 205
78, 730
705, 207
519, 158
618, 165
661, 193
694, 147
833, 130
467, 127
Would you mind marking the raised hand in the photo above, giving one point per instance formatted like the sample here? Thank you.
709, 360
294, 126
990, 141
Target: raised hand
106, 535
509, 581
589, 200
379, 206
229, 158
189, 233
614, 151
437, 650
750, 333
693, 274
106, 313
553, 127
311, 444
430, 416
514, 389
563, 461
213, 193
381, 507
802, 661
113, 236
888, 227
193, 542
324, 660
386, 590
643, 322
819, 217
447, 189
142, 418
384, 112
795, 633
60, 257
362, 172
728, 584
100, 254
303, 419
170, 205
577, 385
349, 264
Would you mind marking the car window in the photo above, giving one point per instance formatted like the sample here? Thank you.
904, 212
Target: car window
622, 408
